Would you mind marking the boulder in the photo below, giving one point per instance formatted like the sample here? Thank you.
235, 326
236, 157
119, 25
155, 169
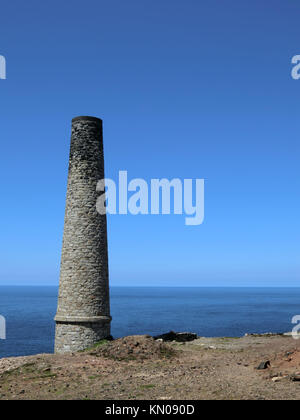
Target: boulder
177, 336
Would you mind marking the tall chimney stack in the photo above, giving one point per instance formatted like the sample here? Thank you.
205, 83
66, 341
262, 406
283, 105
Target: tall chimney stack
83, 313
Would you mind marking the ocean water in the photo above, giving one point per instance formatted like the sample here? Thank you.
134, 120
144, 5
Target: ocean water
29, 313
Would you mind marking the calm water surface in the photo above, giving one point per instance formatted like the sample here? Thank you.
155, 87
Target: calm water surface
29, 313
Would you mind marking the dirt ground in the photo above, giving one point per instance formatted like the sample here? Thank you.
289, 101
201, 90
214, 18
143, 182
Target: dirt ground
138, 367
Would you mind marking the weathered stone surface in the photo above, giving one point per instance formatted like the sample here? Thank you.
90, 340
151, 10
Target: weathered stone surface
83, 313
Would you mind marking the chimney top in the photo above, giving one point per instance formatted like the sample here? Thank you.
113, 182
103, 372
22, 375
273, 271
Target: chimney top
87, 118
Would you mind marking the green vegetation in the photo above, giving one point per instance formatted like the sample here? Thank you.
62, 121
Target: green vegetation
95, 346
148, 386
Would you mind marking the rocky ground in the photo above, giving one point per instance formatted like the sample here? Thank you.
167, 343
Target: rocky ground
139, 367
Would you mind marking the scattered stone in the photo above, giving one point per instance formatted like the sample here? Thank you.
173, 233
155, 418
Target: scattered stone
278, 378
264, 365
177, 336
267, 334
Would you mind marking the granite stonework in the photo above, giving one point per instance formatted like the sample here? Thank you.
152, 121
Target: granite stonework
83, 313
72, 337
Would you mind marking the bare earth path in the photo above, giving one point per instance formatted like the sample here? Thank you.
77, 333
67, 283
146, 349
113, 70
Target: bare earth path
139, 368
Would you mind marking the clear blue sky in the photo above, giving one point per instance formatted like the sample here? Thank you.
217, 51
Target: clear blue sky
188, 89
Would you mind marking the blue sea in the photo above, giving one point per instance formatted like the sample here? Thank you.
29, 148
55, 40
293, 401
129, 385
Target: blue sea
29, 313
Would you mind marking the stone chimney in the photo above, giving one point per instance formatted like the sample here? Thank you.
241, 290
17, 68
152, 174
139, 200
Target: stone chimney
83, 313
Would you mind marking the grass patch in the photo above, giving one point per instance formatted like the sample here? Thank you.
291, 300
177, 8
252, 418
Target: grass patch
95, 346
48, 375
148, 386
167, 352
230, 338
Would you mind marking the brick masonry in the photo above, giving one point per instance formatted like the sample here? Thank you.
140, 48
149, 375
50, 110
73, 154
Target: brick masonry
83, 312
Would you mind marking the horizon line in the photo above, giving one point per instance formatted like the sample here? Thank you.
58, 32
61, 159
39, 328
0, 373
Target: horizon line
148, 286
